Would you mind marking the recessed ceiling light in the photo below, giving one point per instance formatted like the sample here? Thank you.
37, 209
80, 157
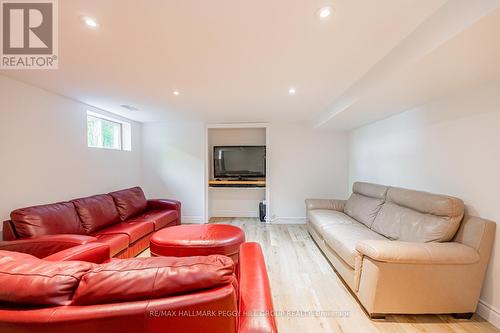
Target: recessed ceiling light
324, 12
176, 93
129, 107
89, 21
291, 91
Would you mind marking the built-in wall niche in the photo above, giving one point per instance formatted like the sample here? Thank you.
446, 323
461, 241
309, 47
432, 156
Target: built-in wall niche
237, 196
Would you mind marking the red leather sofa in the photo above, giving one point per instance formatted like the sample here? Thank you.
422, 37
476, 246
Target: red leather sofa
124, 220
160, 294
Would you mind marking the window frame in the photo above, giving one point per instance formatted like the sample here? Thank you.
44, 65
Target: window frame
102, 117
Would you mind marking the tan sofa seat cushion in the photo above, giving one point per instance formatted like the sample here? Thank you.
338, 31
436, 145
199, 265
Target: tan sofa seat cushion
365, 202
448, 253
415, 216
321, 218
343, 239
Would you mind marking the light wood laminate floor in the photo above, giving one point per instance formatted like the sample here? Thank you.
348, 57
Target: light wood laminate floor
303, 280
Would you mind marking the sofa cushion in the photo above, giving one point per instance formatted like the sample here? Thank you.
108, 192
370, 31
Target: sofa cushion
147, 278
117, 242
134, 230
96, 212
160, 219
31, 281
16, 255
416, 216
343, 238
129, 202
320, 218
365, 202
370, 190
57, 218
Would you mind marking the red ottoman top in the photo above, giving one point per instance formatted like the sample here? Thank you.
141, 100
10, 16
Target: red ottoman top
197, 240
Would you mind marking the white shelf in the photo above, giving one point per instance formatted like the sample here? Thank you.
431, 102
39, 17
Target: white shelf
235, 188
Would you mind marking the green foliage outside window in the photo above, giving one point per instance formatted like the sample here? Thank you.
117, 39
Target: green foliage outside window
102, 133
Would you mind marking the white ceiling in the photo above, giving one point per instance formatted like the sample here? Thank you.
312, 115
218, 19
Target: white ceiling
456, 49
235, 60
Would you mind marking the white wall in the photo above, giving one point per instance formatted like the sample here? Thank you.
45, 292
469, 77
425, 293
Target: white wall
44, 156
304, 163
450, 146
174, 164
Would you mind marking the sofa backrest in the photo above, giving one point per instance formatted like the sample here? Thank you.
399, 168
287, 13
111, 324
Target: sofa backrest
57, 218
129, 202
365, 202
149, 278
79, 216
96, 212
27, 280
415, 216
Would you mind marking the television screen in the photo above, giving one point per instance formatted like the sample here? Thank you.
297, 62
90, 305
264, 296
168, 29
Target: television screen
239, 161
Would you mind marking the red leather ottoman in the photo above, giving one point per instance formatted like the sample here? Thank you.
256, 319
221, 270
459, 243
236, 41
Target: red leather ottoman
198, 240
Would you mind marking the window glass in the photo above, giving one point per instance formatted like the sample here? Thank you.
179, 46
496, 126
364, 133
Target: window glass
104, 133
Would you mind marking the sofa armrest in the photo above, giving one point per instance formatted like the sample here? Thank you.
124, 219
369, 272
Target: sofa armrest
331, 204
256, 305
8, 231
165, 204
43, 246
448, 253
97, 253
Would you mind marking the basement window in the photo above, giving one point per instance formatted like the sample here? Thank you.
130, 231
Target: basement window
108, 133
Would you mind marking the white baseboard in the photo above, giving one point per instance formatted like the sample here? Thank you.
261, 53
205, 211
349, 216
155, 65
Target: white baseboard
489, 313
276, 220
288, 220
233, 213
193, 219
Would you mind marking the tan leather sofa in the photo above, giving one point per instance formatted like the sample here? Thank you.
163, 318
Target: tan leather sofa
402, 251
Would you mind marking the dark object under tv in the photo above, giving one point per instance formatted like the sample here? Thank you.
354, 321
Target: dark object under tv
262, 211
239, 162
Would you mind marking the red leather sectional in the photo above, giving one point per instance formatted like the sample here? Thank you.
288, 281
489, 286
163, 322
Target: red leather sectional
124, 220
150, 295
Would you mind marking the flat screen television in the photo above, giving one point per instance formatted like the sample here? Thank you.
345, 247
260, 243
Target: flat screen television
239, 161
